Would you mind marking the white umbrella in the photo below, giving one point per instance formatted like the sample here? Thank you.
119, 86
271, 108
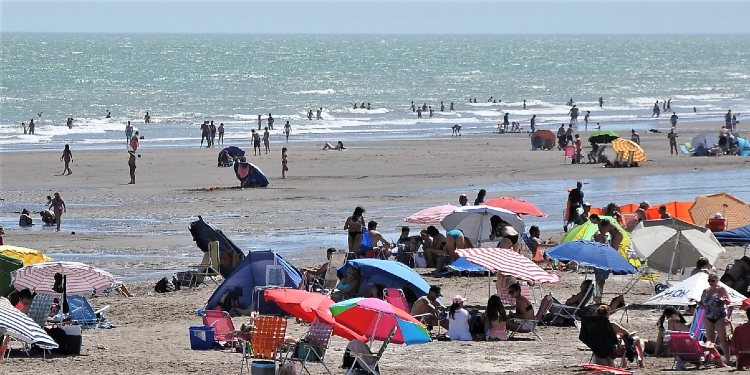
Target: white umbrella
81, 278
16, 324
474, 221
690, 289
671, 244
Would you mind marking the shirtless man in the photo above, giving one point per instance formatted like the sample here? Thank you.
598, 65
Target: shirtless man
429, 310
379, 243
524, 310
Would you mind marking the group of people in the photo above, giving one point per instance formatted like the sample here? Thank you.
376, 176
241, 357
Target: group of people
50, 216
209, 132
425, 108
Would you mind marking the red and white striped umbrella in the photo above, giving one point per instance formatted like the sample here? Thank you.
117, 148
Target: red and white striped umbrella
431, 215
508, 262
80, 278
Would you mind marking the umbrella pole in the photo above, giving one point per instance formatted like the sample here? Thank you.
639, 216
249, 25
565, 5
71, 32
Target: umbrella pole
674, 252
375, 328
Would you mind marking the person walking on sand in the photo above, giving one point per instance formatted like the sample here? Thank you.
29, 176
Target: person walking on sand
270, 122
58, 207
267, 140
256, 142
284, 163
129, 132
533, 124
66, 157
221, 133
672, 136
673, 119
287, 130
727, 120
131, 165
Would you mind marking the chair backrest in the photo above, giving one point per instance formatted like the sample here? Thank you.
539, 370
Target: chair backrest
741, 339
267, 336
696, 327
685, 347
39, 309
319, 335
221, 321
81, 311
597, 333
337, 260
587, 297
387, 341
544, 307
570, 151
396, 298
526, 240
716, 224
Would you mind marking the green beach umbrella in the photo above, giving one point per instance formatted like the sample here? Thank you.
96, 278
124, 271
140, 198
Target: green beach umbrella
587, 230
603, 136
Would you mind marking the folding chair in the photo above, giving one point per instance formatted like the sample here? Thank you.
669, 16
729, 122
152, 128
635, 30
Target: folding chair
529, 325
570, 312
396, 298
697, 327
741, 345
686, 348
312, 348
369, 362
267, 338
85, 315
209, 266
598, 335
39, 309
331, 279
223, 326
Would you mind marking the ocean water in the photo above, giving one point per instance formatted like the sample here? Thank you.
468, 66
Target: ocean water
183, 80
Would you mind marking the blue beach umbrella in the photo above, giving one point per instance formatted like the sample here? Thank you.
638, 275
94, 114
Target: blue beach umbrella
389, 274
592, 254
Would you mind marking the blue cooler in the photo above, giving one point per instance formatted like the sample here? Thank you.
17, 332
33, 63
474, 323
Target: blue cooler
201, 338
263, 368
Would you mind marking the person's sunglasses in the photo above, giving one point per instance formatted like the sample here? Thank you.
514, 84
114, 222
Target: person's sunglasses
712, 280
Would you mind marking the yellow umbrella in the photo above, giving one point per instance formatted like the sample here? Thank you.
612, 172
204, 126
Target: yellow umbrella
734, 210
27, 256
627, 146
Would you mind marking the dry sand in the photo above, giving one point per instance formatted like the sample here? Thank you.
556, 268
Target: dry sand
173, 186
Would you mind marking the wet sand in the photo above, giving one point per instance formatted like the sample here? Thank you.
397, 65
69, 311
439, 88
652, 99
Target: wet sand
146, 224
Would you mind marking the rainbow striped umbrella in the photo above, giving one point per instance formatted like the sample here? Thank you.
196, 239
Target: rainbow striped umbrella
375, 318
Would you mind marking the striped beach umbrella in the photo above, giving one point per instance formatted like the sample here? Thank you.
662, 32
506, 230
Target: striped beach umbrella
81, 278
509, 263
16, 324
375, 318
627, 146
431, 215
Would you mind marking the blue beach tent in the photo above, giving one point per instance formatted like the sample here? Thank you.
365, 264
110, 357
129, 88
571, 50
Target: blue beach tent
389, 274
259, 269
737, 236
230, 255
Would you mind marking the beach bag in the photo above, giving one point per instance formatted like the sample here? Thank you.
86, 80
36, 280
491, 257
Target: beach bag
366, 244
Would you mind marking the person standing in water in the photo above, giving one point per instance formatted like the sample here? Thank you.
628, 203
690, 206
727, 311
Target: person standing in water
452, 107
131, 165
586, 121
31, 126
23, 124
147, 118
58, 207
533, 124
287, 130
66, 157
309, 113
259, 122
267, 140
656, 111
601, 101
270, 122
109, 115
129, 132
524, 104
284, 162
221, 133
318, 114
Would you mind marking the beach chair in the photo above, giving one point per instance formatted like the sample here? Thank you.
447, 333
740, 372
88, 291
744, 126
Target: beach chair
598, 335
39, 309
311, 348
209, 266
697, 327
505, 297
331, 279
686, 348
85, 315
571, 312
529, 325
716, 224
741, 345
396, 298
224, 331
569, 152
267, 337
369, 362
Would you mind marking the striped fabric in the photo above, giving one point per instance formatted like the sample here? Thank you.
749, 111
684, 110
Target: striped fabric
508, 262
81, 278
17, 324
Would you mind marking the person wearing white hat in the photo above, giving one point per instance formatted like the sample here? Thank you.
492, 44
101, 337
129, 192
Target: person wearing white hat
458, 321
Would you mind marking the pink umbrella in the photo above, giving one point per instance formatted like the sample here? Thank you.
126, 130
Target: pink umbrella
508, 262
430, 216
516, 205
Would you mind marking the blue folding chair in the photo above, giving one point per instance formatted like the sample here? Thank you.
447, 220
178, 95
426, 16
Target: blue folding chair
84, 315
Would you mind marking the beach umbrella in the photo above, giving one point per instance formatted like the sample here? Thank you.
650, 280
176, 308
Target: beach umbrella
309, 306
7, 265
474, 221
27, 256
627, 146
543, 139
587, 230
508, 262
736, 211
18, 325
234, 151
515, 205
592, 254
687, 291
431, 215
706, 140
672, 244
81, 278
376, 318
603, 136
389, 274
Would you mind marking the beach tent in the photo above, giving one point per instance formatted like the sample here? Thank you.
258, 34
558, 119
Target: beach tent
688, 291
744, 146
543, 140
230, 255
705, 141
736, 211
234, 151
27, 256
250, 175
7, 265
587, 230
259, 269
670, 244
735, 237
389, 274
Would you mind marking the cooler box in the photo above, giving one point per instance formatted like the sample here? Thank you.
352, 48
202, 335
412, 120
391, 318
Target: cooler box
201, 338
263, 368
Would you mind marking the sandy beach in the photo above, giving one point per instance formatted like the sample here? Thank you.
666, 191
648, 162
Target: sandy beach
149, 235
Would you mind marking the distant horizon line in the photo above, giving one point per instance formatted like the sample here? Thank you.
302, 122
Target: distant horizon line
362, 34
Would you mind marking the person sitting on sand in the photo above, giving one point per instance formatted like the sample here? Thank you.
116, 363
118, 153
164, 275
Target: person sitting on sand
429, 310
339, 146
458, 321
435, 253
623, 334
25, 220
663, 214
348, 286
48, 217
524, 310
495, 320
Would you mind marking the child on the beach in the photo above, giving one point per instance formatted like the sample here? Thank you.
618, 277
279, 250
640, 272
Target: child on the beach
284, 167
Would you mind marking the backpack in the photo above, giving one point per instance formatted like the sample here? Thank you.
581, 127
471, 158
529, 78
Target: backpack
164, 285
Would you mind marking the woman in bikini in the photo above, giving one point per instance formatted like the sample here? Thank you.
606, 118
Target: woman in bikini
354, 225
714, 299
508, 236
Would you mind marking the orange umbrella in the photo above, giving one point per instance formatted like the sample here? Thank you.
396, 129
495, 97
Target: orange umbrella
627, 146
543, 139
734, 210
516, 205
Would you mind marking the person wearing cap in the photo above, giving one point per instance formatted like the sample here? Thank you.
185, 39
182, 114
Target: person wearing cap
458, 321
429, 308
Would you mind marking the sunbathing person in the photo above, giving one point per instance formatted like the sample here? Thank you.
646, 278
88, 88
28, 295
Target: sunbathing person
524, 310
436, 250
495, 320
622, 333
339, 146
314, 273
429, 310
348, 287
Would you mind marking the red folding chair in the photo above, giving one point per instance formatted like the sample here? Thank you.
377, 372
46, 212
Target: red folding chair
223, 326
396, 298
